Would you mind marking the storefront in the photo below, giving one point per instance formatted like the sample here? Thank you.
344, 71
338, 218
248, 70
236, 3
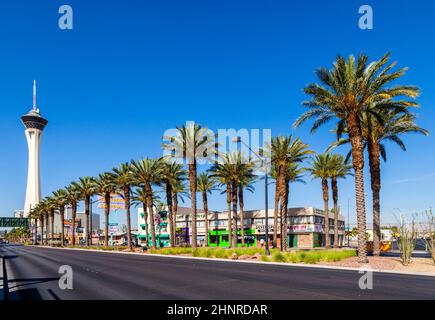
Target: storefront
161, 240
219, 238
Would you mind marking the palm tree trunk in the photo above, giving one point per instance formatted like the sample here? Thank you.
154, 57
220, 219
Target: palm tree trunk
62, 224
174, 221
284, 218
73, 224
87, 204
42, 229
235, 215
283, 211
326, 209
375, 174
335, 198
35, 230
275, 215
127, 212
192, 182
149, 198
170, 213
242, 218
52, 225
355, 137
145, 216
106, 215
230, 239
47, 229
205, 205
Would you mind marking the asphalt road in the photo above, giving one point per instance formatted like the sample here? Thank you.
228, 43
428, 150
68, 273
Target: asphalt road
33, 273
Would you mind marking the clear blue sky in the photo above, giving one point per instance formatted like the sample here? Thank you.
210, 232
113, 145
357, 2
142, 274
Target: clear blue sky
132, 69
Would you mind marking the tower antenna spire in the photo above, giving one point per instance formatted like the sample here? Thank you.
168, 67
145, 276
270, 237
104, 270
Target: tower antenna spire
34, 95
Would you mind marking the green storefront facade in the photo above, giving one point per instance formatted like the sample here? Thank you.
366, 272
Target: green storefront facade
219, 238
161, 240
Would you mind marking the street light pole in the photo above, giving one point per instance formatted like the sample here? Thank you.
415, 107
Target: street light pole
266, 201
348, 222
90, 222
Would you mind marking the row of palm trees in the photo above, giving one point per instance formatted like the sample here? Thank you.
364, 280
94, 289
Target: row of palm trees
354, 93
369, 108
135, 183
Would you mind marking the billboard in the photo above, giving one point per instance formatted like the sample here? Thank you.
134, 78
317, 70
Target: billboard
116, 202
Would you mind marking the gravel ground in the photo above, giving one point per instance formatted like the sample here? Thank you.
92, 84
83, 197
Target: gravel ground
423, 265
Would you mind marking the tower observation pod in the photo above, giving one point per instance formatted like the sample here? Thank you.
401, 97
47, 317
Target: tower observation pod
35, 124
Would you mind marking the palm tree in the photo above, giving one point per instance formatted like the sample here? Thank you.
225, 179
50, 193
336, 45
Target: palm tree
38, 213
105, 186
172, 173
293, 173
61, 199
339, 170
35, 215
146, 173
376, 131
345, 92
124, 178
191, 143
320, 168
45, 212
51, 207
223, 172
275, 175
206, 184
73, 196
139, 199
86, 187
244, 180
283, 151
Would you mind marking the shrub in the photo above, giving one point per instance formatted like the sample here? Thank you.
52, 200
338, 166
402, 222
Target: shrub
264, 258
406, 241
312, 258
279, 257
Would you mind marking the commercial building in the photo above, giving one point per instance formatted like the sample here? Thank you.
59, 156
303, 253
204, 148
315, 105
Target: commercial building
81, 218
305, 228
79, 223
161, 224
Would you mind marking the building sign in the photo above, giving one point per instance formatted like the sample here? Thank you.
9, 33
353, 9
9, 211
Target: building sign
67, 223
113, 228
299, 228
116, 202
14, 222
262, 228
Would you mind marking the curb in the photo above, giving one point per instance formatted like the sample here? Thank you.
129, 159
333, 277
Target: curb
282, 264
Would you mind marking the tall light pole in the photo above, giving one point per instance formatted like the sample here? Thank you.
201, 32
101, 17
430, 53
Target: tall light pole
35, 124
266, 198
348, 222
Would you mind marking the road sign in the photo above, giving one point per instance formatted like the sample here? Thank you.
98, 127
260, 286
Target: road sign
14, 222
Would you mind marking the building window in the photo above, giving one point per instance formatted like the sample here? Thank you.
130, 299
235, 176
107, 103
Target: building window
214, 239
